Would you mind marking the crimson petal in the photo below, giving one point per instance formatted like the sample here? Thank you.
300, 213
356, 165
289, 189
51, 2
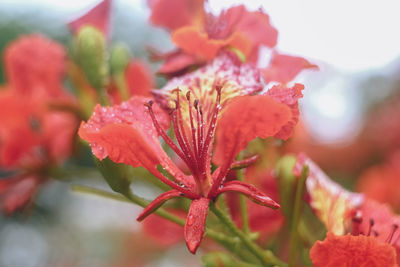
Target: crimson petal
250, 191
195, 223
244, 119
156, 203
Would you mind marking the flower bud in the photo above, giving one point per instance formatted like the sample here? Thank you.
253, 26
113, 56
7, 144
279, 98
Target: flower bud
91, 56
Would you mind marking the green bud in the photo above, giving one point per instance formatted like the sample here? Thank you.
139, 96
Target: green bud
286, 184
91, 55
119, 58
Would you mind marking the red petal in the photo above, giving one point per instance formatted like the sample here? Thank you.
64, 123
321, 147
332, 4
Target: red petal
98, 17
139, 78
125, 133
284, 68
290, 97
35, 65
244, 119
195, 223
156, 203
250, 191
173, 14
351, 250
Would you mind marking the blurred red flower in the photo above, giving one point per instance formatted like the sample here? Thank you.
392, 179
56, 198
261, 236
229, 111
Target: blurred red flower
33, 134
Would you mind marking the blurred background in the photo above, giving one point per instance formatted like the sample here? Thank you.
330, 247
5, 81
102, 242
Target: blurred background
350, 119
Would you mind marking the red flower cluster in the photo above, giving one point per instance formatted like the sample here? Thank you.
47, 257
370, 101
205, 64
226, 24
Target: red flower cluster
200, 36
28, 122
212, 103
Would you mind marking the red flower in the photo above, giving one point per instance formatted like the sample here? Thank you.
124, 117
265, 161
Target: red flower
213, 99
34, 66
98, 17
352, 251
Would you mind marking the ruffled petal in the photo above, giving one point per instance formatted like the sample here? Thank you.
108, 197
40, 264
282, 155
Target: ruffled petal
284, 68
98, 17
290, 97
244, 119
173, 14
195, 223
156, 203
126, 134
139, 78
334, 205
249, 191
351, 250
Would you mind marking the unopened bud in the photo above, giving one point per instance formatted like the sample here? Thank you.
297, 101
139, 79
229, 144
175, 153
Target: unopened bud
91, 56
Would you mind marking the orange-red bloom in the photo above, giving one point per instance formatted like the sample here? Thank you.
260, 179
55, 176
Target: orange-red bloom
352, 251
32, 134
213, 99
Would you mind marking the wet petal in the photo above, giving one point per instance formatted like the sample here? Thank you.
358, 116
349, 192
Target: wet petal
156, 203
244, 119
290, 97
98, 17
195, 223
284, 68
249, 191
126, 134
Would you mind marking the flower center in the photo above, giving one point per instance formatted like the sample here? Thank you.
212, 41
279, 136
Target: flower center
194, 139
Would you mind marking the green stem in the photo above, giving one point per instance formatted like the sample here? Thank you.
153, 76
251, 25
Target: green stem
266, 258
298, 204
243, 207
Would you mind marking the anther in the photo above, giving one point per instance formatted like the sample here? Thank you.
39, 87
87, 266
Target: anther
392, 232
371, 224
